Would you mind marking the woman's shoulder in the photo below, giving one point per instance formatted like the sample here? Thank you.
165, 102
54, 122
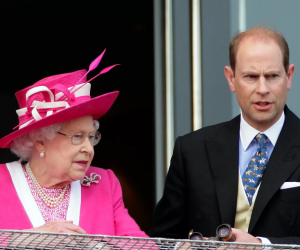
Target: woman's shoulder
4, 173
105, 178
99, 170
3, 167
105, 174
13, 164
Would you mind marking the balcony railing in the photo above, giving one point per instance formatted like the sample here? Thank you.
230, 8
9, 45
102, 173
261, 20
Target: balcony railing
42, 241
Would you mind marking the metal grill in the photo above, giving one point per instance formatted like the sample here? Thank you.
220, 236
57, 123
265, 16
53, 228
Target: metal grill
35, 240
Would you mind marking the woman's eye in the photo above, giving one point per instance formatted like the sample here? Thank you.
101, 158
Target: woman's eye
78, 136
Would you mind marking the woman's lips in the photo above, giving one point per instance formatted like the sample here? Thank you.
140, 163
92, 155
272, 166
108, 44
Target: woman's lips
262, 106
82, 163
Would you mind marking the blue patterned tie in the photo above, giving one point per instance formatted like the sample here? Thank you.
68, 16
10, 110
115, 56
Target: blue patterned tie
256, 167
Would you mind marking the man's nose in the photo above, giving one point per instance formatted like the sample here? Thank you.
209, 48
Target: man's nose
262, 86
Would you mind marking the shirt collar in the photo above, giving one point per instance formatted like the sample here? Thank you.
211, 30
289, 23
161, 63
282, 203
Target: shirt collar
247, 133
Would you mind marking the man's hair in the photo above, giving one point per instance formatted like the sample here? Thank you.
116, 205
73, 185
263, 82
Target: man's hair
262, 34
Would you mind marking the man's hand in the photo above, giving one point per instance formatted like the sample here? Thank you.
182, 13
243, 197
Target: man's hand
59, 226
241, 236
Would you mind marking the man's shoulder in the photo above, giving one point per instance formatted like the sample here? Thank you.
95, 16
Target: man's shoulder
212, 131
290, 118
291, 126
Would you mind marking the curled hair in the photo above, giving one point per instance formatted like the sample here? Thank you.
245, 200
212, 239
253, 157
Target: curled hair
23, 145
263, 34
96, 124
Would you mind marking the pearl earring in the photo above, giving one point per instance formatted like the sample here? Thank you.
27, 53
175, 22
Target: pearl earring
42, 154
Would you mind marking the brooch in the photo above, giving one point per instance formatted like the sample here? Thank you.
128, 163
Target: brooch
94, 178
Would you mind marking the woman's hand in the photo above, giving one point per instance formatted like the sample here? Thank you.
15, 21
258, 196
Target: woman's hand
59, 226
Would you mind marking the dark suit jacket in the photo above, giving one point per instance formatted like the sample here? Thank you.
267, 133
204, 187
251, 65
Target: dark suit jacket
202, 182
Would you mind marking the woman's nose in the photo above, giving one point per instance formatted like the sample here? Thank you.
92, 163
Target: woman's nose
87, 146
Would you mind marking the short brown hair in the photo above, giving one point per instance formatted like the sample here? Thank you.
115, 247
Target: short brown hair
262, 33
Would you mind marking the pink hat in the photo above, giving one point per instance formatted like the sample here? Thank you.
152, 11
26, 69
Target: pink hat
59, 98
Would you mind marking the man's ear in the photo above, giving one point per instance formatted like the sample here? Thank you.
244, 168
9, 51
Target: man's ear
290, 76
230, 78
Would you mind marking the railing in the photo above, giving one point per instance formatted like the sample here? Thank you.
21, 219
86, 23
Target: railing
42, 241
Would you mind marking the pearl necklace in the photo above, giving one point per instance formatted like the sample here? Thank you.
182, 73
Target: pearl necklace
49, 201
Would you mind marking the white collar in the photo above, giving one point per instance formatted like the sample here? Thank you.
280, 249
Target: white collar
29, 203
247, 133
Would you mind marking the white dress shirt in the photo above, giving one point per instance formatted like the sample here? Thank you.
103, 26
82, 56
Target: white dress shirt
247, 144
248, 147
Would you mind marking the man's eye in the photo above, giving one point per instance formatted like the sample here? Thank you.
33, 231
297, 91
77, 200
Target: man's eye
272, 76
251, 76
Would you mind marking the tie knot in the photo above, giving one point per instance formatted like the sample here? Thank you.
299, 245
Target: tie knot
262, 140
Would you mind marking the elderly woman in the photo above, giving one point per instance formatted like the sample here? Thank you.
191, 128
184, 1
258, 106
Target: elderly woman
52, 187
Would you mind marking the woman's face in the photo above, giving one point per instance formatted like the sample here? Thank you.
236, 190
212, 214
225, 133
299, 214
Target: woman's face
64, 161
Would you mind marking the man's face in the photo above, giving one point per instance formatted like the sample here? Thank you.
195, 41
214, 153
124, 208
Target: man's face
260, 82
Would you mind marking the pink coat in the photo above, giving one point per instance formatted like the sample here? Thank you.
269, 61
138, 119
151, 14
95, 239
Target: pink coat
102, 208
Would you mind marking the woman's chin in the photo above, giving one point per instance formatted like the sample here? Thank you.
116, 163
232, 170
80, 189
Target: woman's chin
78, 173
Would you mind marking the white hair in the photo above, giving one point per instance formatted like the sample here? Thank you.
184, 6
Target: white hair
23, 145
96, 124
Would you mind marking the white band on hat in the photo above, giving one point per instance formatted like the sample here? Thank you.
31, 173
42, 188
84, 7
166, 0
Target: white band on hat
39, 89
78, 91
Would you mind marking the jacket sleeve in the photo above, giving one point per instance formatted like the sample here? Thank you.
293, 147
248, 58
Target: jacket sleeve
124, 223
169, 217
285, 240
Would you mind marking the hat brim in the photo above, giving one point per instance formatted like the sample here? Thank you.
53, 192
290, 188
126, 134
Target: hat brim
96, 107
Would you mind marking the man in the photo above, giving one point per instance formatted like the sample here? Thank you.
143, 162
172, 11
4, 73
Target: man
245, 172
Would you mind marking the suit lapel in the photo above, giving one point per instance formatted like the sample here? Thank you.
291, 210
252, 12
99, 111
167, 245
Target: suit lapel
223, 153
283, 162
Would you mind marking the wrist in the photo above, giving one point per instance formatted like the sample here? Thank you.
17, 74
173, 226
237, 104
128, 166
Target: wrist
263, 240
258, 240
